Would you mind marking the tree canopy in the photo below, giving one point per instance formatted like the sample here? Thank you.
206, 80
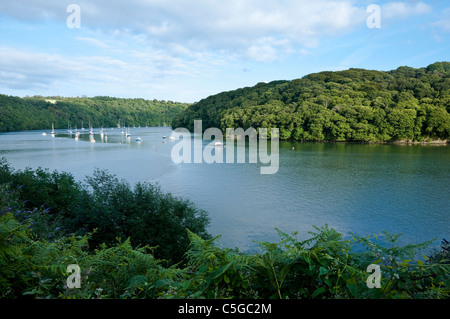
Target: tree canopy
355, 105
32, 113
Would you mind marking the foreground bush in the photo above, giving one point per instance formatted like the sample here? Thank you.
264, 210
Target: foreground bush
322, 267
57, 205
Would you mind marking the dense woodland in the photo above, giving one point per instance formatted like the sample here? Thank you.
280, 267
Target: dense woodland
138, 242
32, 113
354, 105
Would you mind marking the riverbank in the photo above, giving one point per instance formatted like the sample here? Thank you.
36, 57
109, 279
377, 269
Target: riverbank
395, 142
425, 142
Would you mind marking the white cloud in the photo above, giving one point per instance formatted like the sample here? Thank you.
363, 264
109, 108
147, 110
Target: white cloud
124, 46
402, 10
21, 69
444, 21
216, 25
130, 73
264, 53
93, 41
204, 24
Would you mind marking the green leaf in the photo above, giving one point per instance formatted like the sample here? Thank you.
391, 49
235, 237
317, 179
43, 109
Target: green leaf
318, 292
351, 285
323, 271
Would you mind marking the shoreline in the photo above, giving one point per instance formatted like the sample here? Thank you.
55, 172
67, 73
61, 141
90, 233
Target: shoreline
397, 142
432, 142
427, 141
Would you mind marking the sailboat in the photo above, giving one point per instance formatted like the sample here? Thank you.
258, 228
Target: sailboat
53, 130
77, 133
91, 133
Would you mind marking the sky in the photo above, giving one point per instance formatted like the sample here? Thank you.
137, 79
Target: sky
186, 50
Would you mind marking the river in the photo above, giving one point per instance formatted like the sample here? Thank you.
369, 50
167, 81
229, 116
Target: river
359, 188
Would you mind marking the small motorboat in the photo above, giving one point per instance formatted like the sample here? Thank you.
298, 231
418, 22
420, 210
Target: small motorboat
138, 139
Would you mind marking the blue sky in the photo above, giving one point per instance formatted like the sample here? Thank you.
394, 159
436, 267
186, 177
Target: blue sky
186, 50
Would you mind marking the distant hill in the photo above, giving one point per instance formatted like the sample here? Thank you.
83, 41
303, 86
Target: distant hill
353, 105
33, 113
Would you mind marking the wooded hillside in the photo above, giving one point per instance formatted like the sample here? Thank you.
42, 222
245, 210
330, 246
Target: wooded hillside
354, 105
32, 113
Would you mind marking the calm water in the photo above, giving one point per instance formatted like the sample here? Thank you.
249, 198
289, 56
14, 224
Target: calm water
365, 189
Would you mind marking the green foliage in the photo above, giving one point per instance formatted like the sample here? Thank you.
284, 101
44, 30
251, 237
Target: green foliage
442, 255
402, 276
323, 266
145, 213
122, 239
55, 204
356, 105
32, 113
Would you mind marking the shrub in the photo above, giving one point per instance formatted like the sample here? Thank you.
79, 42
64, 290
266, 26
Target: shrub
145, 214
323, 267
111, 207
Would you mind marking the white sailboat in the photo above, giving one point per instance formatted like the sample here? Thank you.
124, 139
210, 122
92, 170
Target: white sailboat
91, 133
53, 130
77, 133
